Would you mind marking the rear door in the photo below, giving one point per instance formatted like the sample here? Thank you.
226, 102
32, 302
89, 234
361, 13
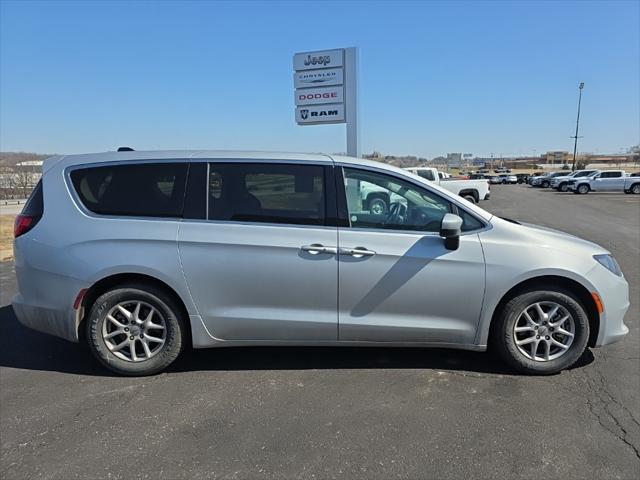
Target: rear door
261, 264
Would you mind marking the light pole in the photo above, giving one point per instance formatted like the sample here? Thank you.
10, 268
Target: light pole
575, 143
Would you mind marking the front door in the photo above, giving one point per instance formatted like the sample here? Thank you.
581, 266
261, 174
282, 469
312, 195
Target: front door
398, 282
262, 265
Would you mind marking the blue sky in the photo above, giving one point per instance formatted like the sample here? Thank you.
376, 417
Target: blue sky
436, 77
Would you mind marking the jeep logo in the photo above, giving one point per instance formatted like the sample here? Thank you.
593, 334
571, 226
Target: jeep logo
323, 60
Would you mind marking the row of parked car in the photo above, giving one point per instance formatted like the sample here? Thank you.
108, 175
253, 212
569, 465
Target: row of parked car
585, 181
503, 178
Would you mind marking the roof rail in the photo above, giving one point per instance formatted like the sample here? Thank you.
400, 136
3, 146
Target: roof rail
125, 149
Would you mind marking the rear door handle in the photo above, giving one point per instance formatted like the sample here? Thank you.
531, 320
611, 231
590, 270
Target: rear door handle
357, 252
317, 248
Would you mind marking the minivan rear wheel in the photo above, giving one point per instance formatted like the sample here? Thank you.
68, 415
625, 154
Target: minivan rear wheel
135, 330
542, 332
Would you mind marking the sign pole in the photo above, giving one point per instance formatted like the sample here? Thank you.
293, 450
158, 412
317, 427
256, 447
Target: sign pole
351, 62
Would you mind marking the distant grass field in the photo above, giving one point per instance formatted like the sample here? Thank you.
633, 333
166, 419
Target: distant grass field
6, 236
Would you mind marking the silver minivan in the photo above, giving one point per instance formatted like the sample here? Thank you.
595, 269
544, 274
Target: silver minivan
142, 254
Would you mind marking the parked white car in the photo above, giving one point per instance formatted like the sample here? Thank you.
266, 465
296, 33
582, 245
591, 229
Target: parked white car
471, 190
504, 178
561, 183
605, 181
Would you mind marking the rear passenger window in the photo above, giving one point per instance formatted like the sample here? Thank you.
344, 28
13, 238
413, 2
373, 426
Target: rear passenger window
141, 190
271, 193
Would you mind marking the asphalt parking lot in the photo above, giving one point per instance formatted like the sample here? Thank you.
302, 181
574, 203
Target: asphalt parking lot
331, 412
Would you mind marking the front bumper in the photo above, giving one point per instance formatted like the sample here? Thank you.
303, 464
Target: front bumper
614, 293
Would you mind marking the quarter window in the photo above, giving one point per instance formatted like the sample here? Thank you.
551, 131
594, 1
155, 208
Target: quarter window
141, 190
376, 200
270, 193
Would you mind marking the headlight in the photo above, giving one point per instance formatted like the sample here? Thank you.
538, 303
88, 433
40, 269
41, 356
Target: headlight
608, 262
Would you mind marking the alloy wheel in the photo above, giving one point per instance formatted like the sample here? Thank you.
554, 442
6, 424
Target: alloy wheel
134, 331
544, 331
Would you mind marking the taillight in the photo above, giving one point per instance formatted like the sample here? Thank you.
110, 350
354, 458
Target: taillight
23, 224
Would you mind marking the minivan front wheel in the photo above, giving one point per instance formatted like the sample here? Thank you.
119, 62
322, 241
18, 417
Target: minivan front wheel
542, 332
135, 330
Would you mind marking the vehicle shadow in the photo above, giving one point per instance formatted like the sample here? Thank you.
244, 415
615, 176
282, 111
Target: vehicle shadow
26, 349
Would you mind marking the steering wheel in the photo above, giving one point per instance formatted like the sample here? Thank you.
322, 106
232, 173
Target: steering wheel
397, 212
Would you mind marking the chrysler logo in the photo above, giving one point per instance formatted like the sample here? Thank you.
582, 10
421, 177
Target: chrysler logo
316, 77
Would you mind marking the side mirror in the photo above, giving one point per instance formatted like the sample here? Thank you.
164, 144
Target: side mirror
450, 230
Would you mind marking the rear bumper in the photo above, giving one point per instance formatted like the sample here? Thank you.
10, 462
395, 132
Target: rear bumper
60, 323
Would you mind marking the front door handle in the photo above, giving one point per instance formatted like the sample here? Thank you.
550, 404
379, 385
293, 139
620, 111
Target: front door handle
357, 252
317, 248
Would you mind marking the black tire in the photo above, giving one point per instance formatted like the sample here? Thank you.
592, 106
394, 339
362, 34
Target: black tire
504, 182
378, 205
503, 332
163, 303
635, 189
563, 187
583, 189
545, 184
469, 198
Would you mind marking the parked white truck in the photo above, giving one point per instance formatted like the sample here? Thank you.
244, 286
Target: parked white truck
472, 190
606, 181
378, 200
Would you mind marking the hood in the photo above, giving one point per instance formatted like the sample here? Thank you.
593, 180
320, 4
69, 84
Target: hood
530, 234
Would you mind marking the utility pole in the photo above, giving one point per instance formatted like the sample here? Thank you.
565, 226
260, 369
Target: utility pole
575, 143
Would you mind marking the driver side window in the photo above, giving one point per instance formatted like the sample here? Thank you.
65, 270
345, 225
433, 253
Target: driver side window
376, 200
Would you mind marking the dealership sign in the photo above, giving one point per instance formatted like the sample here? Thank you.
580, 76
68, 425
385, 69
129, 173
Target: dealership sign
326, 90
